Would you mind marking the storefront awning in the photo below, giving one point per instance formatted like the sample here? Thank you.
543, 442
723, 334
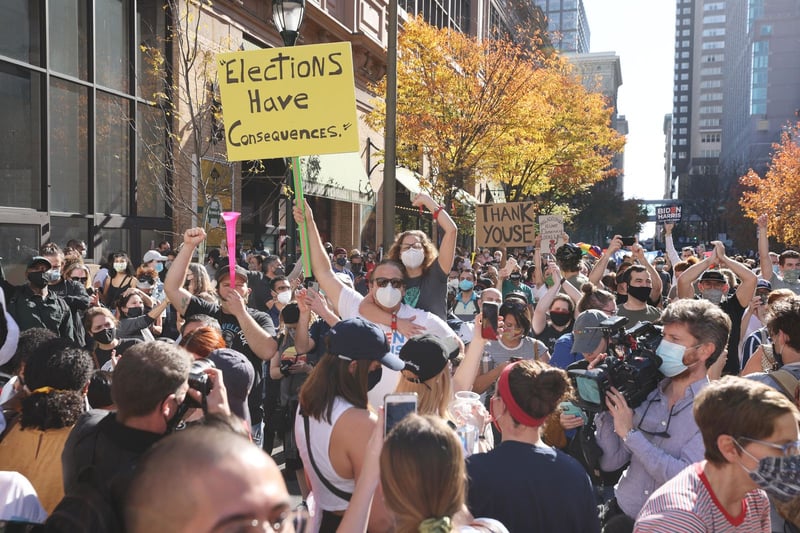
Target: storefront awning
337, 177
408, 179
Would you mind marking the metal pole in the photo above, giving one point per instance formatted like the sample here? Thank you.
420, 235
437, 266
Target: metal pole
390, 142
291, 228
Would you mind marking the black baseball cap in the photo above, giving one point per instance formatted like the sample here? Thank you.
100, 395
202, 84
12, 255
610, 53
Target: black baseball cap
425, 356
360, 340
713, 275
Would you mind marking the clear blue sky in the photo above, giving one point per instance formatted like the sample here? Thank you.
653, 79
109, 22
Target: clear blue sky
641, 32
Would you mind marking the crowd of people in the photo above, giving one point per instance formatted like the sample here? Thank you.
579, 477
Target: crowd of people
628, 390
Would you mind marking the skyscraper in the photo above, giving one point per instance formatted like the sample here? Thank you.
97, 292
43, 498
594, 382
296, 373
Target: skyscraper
566, 24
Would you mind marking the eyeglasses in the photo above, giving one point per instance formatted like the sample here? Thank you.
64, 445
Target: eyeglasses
397, 283
665, 432
416, 246
787, 450
79, 280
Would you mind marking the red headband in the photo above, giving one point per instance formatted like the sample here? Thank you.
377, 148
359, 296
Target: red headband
517, 413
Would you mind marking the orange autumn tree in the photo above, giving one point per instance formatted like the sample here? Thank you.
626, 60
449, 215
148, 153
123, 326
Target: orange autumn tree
563, 144
777, 194
494, 109
456, 99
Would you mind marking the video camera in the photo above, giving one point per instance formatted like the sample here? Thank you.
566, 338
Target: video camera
631, 365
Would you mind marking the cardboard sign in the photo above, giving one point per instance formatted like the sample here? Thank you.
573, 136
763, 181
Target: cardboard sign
510, 224
551, 228
668, 213
290, 101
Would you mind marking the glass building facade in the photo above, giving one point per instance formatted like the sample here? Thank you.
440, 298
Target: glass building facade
74, 87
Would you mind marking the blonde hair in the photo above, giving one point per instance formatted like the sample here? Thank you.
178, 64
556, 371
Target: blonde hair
423, 474
433, 400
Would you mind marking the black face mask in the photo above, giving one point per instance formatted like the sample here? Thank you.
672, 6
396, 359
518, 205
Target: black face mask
134, 312
560, 319
640, 293
374, 377
355, 268
341, 261
37, 279
105, 336
279, 272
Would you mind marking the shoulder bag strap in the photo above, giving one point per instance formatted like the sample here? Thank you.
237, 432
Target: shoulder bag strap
328, 485
787, 382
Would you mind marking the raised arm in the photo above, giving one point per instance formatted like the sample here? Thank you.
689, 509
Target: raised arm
173, 283
690, 275
447, 247
672, 253
466, 373
763, 247
542, 308
302, 340
599, 269
747, 278
655, 292
320, 263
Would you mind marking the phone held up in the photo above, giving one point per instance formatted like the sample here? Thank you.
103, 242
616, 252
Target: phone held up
628, 241
489, 314
396, 407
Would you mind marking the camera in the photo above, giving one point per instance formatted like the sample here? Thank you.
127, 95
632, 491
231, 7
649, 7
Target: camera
198, 380
631, 365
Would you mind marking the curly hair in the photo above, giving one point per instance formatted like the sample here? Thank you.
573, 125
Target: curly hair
56, 374
431, 253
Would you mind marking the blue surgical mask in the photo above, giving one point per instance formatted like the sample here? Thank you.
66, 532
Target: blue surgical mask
671, 355
465, 285
159, 266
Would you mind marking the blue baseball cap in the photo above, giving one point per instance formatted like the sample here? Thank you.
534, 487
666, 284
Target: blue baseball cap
360, 340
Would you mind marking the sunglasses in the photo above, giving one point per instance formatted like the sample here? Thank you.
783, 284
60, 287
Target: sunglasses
79, 280
397, 283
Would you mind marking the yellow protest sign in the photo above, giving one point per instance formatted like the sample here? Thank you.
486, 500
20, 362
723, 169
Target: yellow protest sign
290, 101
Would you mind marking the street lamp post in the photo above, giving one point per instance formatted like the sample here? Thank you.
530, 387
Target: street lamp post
288, 16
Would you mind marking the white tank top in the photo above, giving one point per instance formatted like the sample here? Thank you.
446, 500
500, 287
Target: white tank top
320, 443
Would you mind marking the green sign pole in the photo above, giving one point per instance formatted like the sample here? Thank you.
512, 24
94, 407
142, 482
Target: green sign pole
300, 199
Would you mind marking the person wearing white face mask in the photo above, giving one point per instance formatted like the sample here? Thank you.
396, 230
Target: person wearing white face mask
713, 287
660, 437
426, 267
386, 290
120, 278
281, 292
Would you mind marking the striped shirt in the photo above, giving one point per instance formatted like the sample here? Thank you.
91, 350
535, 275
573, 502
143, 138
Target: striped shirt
687, 504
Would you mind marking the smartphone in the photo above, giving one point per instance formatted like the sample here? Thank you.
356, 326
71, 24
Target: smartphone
569, 408
763, 298
396, 407
628, 241
311, 284
489, 313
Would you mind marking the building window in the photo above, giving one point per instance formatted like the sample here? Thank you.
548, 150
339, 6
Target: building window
714, 6
714, 19
710, 97
21, 144
759, 78
69, 146
713, 45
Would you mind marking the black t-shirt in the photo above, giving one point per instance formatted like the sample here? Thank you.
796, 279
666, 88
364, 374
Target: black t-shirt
234, 338
735, 311
104, 355
550, 335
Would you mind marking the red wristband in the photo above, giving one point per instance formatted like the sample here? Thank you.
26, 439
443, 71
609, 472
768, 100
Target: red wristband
438, 210
394, 321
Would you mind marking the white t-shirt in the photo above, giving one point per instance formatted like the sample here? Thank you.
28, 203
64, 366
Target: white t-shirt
349, 303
